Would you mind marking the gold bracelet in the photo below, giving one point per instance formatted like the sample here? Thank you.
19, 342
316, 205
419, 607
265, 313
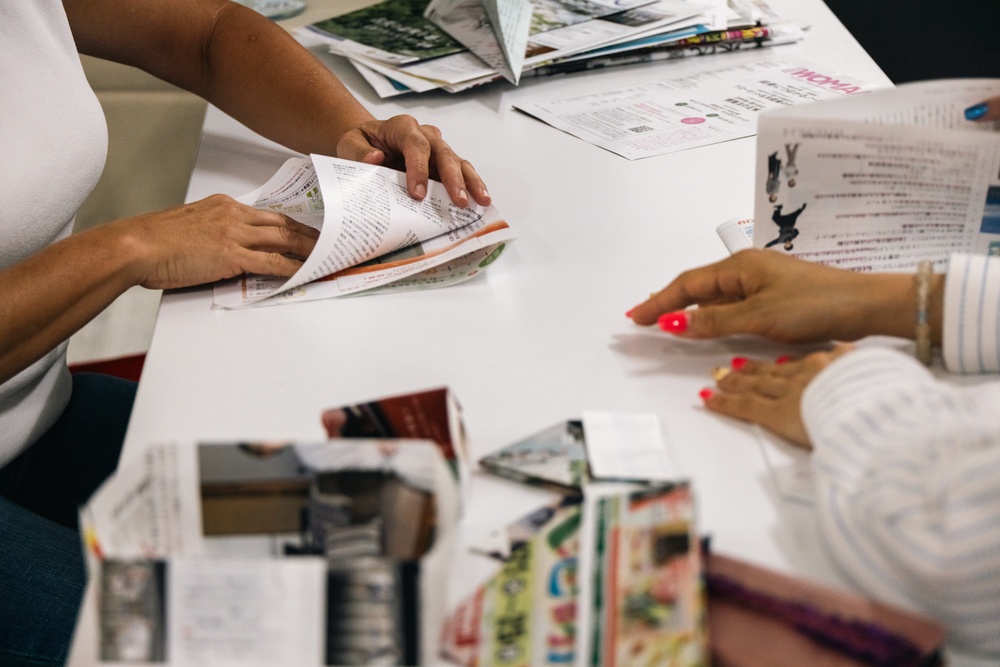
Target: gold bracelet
923, 284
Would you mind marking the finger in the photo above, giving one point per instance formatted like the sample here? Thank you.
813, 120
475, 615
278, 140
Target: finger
767, 385
714, 321
779, 416
288, 237
723, 283
450, 172
269, 218
354, 145
266, 263
476, 184
694, 286
984, 111
404, 136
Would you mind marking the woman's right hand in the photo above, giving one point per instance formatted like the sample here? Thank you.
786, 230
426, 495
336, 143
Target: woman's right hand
212, 239
786, 299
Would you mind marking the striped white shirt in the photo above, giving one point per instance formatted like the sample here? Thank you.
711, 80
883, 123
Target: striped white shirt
907, 467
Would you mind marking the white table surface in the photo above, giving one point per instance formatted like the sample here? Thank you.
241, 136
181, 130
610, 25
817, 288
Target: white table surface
541, 336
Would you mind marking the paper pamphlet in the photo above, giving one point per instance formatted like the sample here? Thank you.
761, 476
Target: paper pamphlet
641, 596
878, 182
372, 234
302, 553
677, 114
526, 614
736, 234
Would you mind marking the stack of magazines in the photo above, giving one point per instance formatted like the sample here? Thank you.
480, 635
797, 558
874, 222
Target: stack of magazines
403, 46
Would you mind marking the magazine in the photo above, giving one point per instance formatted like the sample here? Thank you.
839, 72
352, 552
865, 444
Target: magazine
883, 180
461, 44
641, 593
263, 553
432, 414
373, 235
555, 458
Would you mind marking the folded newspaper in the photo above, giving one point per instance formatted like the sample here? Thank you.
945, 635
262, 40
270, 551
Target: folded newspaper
308, 554
373, 235
404, 46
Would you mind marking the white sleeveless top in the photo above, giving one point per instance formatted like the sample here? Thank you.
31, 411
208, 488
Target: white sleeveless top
53, 143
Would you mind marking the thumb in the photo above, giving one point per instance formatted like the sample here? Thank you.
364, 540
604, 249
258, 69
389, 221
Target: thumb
355, 146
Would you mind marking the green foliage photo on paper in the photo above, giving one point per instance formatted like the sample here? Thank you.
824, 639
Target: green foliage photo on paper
396, 26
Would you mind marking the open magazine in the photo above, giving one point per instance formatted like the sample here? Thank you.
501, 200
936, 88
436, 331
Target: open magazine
880, 181
373, 235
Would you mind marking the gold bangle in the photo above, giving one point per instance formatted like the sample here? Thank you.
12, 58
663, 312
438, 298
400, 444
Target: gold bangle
922, 279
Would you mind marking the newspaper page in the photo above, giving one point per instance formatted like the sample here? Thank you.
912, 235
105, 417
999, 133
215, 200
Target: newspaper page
882, 181
698, 110
147, 510
372, 233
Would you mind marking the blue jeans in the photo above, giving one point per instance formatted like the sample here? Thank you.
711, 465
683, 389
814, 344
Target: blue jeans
42, 574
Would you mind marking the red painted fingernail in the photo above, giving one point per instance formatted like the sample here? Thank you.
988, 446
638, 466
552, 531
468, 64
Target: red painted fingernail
783, 359
739, 362
706, 394
674, 322
629, 312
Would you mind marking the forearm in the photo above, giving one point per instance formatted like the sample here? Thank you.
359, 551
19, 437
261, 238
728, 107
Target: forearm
49, 296
249, 61
230, 55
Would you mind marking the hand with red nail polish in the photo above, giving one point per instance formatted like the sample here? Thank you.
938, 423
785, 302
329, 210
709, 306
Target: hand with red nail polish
770, 394
783, 298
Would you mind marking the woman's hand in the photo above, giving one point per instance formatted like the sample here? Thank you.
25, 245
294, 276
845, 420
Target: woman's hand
786, 299
213, 239
770, 394
404, 144
985, 110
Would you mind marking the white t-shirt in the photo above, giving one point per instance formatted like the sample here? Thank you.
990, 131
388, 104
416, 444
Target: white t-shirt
53, 143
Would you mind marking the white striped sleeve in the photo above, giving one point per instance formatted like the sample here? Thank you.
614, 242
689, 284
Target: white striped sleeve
971, 331
907, 473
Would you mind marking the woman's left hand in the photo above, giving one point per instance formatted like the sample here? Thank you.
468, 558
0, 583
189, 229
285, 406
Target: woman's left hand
770, 394
402, 143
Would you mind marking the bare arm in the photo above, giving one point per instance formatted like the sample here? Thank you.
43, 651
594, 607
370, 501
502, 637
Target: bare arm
253, 70
49, 296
